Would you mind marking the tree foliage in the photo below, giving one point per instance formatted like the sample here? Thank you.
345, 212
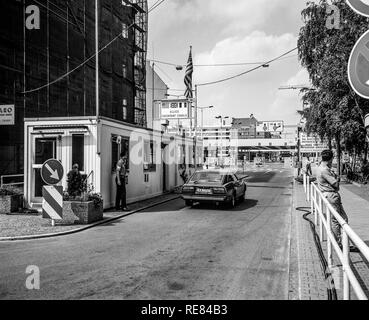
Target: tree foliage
335, 111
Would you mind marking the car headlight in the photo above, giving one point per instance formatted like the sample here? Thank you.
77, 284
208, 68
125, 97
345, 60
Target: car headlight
188, 189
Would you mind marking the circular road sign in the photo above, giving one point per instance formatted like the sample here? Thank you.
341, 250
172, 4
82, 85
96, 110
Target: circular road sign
52, 172
358, 66
360, 6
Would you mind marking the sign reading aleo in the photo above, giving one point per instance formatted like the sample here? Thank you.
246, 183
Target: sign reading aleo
52, 172
7, 113
360, 6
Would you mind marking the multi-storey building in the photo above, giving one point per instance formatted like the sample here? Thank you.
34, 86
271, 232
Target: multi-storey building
49, 75
55, 66
217, 144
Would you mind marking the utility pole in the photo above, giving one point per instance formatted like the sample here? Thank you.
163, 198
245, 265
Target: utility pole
153, 94
97, 59
367, 126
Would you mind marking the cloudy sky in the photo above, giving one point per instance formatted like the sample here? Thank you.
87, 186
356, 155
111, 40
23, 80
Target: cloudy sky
234, 31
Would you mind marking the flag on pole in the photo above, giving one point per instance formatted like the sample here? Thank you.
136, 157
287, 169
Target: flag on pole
188, 77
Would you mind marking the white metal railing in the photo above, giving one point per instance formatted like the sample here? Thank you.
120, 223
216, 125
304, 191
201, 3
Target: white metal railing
2, 184
323, 212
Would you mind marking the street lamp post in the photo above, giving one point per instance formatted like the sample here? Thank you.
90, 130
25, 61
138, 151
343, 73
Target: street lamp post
221, 137
202, 118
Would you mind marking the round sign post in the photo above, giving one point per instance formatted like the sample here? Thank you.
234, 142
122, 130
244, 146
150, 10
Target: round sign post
359, 6
52, 173
358, 66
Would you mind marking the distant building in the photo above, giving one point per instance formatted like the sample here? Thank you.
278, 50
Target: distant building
270, 140
157, 90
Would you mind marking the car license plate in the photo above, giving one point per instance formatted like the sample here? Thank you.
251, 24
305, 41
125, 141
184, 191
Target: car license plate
203, 191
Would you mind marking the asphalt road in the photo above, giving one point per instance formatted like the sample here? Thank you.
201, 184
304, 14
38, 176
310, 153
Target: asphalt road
168, 252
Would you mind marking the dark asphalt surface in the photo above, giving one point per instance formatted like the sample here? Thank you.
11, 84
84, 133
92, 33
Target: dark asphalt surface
168, 252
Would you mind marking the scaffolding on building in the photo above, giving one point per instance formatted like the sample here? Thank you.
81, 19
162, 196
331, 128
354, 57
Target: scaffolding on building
140, 47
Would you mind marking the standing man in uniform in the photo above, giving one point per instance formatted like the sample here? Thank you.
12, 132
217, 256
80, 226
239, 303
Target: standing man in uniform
329, 185
308, 167
121, 176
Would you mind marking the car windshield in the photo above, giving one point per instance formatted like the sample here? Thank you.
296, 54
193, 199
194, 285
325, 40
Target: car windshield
212, 177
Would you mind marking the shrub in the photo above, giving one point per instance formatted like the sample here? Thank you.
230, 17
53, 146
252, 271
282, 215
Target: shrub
96, 198
75, 183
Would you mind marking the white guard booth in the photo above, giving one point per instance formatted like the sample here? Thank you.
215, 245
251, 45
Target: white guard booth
157, 162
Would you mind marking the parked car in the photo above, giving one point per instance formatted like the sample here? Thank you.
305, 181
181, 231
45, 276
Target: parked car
214, 186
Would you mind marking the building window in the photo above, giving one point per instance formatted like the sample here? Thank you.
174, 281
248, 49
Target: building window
125, 115
124, 31
124, 71
78, 151
149, 156
119, 144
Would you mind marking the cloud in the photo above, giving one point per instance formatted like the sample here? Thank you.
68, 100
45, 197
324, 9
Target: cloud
255, 47
287, 102
232, 32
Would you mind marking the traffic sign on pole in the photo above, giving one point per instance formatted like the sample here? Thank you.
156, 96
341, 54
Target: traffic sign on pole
360, 6
52, 205
52, 172
358, 66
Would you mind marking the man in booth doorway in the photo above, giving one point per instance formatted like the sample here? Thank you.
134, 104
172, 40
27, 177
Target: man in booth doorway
121, 180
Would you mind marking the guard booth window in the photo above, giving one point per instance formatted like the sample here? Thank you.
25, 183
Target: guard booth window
119, 144
149, 156
78, 151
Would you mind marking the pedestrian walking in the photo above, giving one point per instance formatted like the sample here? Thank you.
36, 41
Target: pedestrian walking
329, 185
299, 167
121, 180
308, 167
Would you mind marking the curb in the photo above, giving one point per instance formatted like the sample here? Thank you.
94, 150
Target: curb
355, 183
65, 233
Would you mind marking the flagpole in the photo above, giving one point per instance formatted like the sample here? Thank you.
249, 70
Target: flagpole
196, 107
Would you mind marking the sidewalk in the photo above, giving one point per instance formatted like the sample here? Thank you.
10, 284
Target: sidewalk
356, 204
307, 280
16, 225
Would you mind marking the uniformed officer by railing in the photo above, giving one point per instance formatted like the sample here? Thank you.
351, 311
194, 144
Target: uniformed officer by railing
329, 185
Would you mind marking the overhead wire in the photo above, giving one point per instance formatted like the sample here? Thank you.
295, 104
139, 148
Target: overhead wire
216, 64
247, 71
156, 5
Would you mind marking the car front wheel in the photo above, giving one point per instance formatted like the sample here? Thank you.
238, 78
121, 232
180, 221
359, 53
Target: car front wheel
242, 198
189, 203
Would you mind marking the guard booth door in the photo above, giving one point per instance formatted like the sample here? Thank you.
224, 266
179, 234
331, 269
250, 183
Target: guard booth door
43, 150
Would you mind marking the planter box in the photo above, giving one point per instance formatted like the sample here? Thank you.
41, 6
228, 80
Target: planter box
77, 212
9, 204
